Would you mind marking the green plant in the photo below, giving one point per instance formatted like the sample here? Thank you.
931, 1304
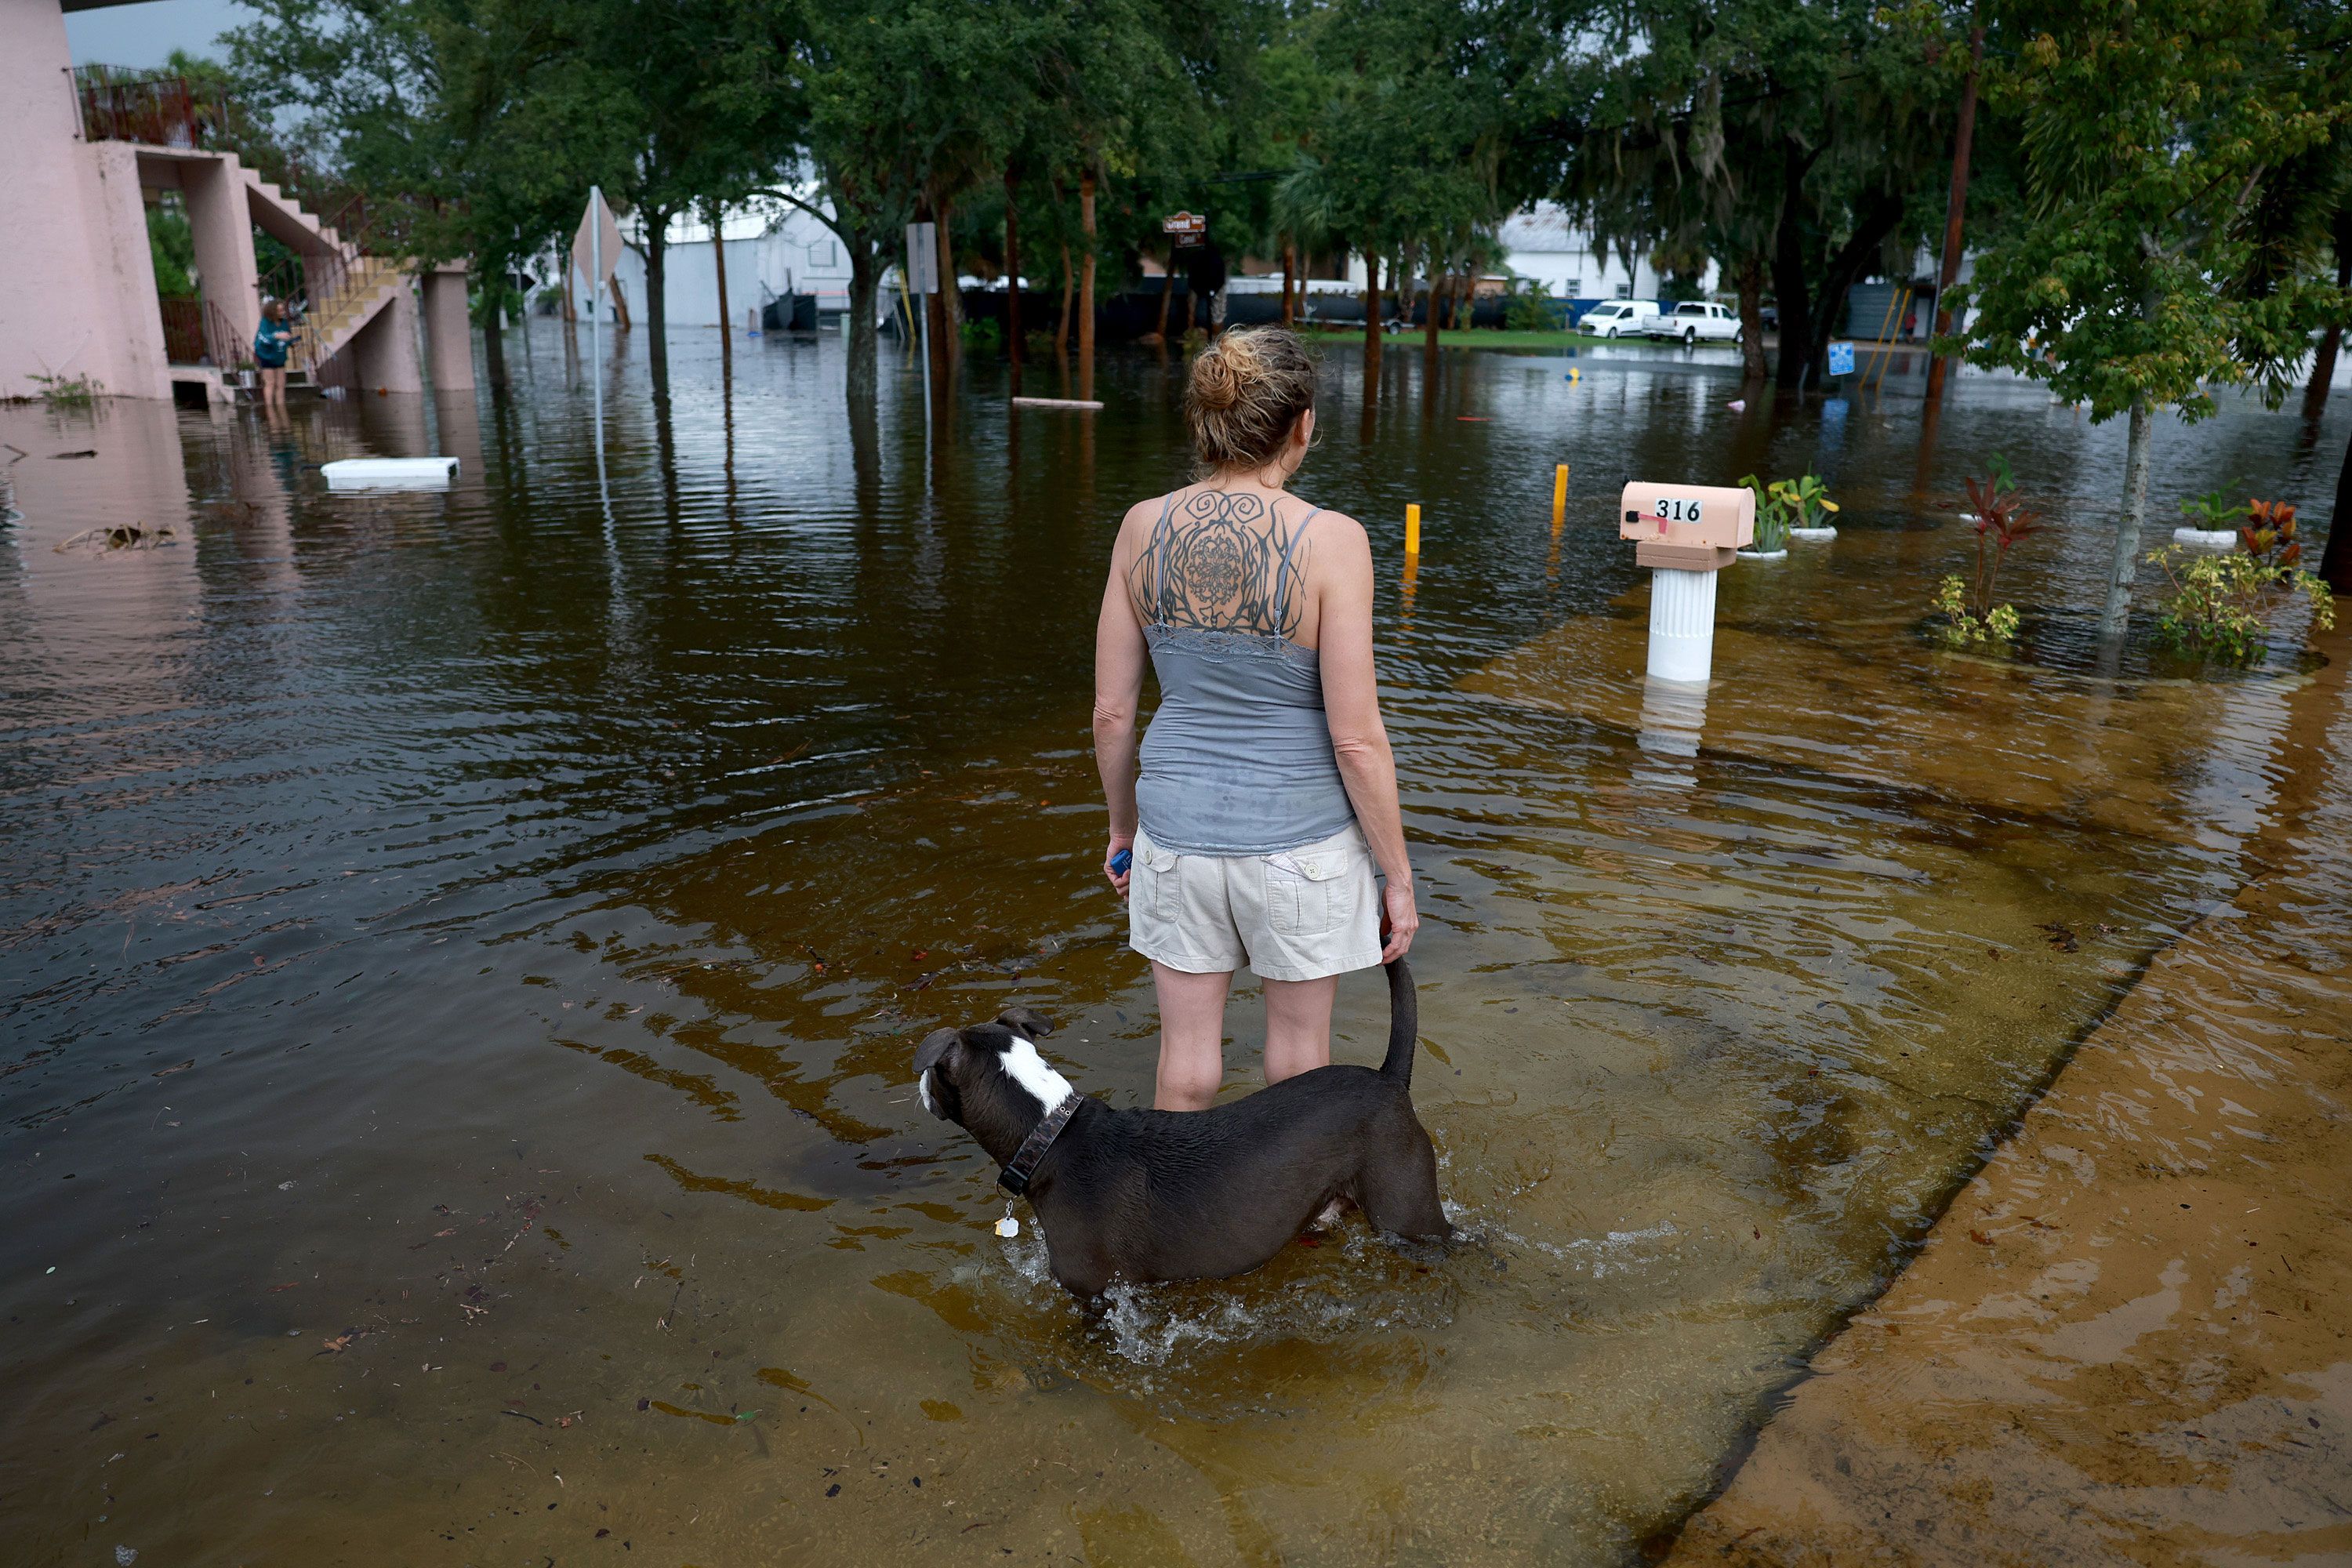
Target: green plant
2000, 519
1963, 625
2223, 606
1807, 500
1528, 309
982, 336
1771, 514
68, 391
2214, 511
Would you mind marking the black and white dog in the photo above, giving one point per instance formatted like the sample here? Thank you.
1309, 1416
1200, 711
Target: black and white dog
1139, 1195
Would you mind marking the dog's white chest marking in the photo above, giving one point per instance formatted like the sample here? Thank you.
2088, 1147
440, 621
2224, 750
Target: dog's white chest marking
923, 1091
1027, 1069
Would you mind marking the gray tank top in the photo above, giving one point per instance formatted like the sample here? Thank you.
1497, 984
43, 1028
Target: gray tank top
1238, 759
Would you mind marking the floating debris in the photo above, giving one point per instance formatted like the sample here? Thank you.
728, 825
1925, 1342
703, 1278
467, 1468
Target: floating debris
120, 536
85, 452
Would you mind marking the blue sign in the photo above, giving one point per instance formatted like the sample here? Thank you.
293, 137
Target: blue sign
1841, 358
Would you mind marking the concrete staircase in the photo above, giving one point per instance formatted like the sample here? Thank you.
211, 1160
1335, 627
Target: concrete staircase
346, 287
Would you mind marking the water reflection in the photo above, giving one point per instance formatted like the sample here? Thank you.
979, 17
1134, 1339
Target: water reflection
469, 947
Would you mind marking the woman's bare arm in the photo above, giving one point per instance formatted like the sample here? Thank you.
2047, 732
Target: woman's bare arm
1120, 655
1351, 706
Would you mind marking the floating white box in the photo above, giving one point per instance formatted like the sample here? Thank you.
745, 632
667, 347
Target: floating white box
390, 473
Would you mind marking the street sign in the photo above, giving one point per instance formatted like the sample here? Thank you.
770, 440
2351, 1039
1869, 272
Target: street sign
1187, 229
923, 258
1841, 358
596, 248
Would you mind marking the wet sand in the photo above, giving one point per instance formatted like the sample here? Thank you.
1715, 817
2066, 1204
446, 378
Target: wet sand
2125, 1341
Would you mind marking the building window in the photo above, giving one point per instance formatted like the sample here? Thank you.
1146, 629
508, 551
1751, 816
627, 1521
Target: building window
1624, 290
1575, 288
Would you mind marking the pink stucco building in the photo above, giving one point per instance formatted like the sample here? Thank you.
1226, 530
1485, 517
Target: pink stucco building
82, 154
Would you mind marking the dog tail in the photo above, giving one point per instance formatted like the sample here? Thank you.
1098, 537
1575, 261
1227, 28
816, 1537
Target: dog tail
1404, 1025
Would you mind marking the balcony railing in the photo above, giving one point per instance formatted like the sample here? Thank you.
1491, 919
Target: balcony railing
196, 331
158, 107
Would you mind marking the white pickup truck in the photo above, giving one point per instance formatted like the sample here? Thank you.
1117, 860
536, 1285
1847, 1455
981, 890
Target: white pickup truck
1618, 318
1695, 320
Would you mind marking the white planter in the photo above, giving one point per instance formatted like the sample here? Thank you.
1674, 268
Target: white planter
1812, 533
1780, 554
2207, 538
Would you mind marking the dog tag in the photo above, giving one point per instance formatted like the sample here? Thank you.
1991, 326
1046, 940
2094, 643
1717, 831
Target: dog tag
1008, 1225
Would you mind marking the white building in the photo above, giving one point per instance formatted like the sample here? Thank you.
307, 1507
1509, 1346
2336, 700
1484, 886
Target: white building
773, 250
1541, 243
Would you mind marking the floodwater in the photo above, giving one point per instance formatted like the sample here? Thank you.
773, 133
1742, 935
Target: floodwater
464, 953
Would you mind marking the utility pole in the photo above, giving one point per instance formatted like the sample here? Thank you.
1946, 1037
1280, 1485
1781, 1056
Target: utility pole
1962, 138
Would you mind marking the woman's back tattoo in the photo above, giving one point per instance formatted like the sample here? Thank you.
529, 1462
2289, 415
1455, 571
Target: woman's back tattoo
1221, 561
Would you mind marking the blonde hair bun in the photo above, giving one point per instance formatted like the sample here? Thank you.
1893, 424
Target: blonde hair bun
1246, 390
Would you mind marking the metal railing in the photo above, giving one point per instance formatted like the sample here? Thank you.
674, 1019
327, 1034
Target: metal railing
158, 107
198, 332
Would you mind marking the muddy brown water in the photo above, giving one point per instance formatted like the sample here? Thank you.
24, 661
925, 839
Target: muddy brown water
464, 950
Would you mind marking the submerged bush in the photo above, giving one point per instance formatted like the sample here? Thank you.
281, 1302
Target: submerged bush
2224, 606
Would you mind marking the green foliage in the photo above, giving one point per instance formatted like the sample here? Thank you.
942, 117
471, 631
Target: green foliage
173, 249
2214, 511
1805, 502
1963, 625
2151, 129
1528, 309
1771, 513
983, 336
68, 391
2225, 606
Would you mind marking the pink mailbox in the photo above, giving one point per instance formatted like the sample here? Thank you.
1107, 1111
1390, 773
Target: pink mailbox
1686, 528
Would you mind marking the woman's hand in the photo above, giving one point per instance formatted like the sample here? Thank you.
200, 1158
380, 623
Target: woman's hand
1399, 919
1119, 841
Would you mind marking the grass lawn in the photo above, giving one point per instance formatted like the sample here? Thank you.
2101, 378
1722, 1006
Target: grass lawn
1485, 338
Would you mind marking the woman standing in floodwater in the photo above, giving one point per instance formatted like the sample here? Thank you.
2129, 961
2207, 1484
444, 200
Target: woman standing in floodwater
1268, 792
270, 348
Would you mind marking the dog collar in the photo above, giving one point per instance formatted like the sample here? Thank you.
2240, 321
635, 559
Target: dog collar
1015, 1177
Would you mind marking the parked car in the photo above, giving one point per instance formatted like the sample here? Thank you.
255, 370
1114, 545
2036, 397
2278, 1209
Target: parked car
1772, 317
1695, 320
1618, 318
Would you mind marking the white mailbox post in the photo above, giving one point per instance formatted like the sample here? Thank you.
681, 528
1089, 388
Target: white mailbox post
1685, 534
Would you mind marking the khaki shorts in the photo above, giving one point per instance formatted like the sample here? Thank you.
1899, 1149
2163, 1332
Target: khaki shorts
1299, 915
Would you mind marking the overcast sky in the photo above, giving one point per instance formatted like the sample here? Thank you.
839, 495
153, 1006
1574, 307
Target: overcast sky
143, 34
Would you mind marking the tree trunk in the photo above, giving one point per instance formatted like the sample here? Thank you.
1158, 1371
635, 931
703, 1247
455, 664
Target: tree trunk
2336, 561
1289, 272
864, 278
1788, 267
494, 338
620, 308
950, 293
656, 285
1167, 293
1880, 213
2323, 364
1749, 278
2123, 565
726, 323
1432, 298
1086, 284
1013, 344
571, 311
1962, 137
1371, 325
1062, 322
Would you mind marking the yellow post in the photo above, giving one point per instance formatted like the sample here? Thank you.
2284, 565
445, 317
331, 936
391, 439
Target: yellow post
1412, 528
1558, 497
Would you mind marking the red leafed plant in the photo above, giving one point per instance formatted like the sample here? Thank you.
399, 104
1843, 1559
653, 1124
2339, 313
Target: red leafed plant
2002, 517
2269, 532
